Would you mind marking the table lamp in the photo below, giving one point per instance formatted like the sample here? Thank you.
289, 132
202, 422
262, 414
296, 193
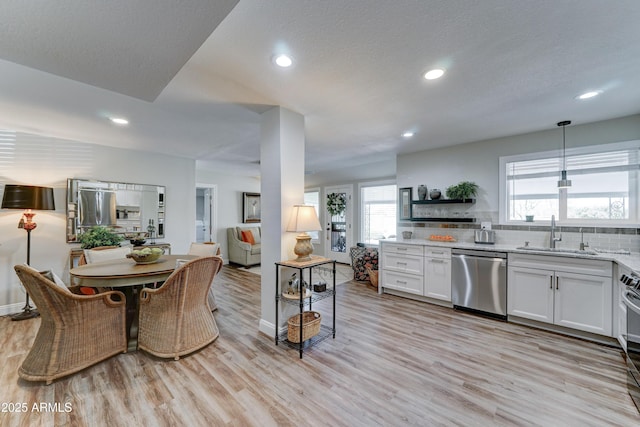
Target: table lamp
303, 219
27, 197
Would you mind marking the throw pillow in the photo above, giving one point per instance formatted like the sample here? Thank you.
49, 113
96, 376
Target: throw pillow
247, 236
256, 233
55, 279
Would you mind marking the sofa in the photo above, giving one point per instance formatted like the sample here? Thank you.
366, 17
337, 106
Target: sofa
243, 244
362, 258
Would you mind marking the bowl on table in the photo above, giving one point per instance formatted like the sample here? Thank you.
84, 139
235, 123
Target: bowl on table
145, 256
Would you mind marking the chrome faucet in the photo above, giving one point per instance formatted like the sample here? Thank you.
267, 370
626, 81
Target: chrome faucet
583, 245
552, 237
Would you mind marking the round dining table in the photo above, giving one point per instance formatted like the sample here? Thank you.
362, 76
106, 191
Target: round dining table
126, 274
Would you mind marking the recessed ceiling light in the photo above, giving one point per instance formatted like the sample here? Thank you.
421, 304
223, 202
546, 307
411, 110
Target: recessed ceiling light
436, 73
119, 120
408, 134
588, 95
283, 61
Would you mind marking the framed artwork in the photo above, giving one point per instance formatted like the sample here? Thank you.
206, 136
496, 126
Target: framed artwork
404, 203
250, 207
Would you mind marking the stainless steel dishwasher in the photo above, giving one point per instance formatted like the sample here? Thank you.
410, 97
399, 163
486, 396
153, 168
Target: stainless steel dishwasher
479, 281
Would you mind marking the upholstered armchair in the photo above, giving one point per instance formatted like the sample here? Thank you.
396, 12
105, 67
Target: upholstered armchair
175, 319
244, 245
76, 331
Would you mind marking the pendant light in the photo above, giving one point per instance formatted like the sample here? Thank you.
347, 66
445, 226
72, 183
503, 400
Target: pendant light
563, 182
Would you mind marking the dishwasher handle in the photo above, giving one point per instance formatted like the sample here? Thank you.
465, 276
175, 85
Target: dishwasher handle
479, 253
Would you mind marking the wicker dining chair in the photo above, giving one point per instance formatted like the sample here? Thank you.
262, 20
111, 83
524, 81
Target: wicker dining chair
175, 319
76, 331
207, 249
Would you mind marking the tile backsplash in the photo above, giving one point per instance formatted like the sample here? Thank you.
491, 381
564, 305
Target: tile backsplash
608, 238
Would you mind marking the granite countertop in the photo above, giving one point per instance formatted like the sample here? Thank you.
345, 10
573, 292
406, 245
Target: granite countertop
630, 261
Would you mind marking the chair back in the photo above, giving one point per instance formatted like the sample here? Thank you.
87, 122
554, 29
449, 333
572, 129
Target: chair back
104, 253
48, 296
175, 319
192, 279
204, 249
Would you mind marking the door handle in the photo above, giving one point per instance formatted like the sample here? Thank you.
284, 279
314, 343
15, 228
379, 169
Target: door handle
557, 281
550, 282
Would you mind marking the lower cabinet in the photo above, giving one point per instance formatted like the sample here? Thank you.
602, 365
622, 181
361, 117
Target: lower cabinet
564, 298
402, 282
437, 273
416, 269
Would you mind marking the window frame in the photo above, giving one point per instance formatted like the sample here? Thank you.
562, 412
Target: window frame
361, 210
634, 186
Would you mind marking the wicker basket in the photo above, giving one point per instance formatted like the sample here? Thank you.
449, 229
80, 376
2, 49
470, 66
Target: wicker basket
310, 326
373, 276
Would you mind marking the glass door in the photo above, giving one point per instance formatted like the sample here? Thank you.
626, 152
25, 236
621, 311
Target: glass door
338, 206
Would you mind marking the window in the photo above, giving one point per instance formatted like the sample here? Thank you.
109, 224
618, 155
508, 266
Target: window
312, 197
378, 209
604, 185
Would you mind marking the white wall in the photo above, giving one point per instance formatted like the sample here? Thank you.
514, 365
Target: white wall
49, 162
229, 201
479, 161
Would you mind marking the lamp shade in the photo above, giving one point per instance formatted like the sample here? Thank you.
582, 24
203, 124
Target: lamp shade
28, 197
304, 218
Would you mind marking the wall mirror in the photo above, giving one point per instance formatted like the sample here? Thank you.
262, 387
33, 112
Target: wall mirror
131, 209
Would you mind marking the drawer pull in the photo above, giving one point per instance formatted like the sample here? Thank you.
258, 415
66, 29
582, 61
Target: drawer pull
401, 263
401, 282
402, 249
439, 261
437, 252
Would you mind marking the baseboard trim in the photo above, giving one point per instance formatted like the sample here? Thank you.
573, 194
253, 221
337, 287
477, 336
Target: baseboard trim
11, 308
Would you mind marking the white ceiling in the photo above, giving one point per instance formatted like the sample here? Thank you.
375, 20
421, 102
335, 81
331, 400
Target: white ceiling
192, 76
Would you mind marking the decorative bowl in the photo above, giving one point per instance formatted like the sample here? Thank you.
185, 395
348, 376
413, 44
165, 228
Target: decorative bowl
144, 257
138, 242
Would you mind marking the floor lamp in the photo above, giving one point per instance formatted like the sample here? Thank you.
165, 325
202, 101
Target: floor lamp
27, 197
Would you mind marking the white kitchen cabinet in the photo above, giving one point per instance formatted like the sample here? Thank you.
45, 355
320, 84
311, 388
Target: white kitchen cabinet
410, 283
437, 273
583, 302
554, 290
530, 294
403, 263
402, 267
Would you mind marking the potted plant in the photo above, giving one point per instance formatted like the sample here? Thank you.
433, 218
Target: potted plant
99, 236
463, 190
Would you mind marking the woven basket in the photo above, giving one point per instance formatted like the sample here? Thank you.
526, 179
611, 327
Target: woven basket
373, 276
310, 326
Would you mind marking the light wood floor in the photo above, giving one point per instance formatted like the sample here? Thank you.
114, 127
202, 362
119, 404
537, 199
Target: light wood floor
394, 362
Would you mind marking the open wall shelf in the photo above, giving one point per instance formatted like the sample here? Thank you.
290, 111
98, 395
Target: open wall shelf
442, 201
439, 218
431, 219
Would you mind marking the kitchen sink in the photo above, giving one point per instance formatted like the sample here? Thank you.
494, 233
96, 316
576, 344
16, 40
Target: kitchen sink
557, 250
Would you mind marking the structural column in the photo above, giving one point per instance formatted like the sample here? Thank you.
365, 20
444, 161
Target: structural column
282, 186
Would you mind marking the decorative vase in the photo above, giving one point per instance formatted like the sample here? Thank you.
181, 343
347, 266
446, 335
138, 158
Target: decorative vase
422, 192
435, 194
